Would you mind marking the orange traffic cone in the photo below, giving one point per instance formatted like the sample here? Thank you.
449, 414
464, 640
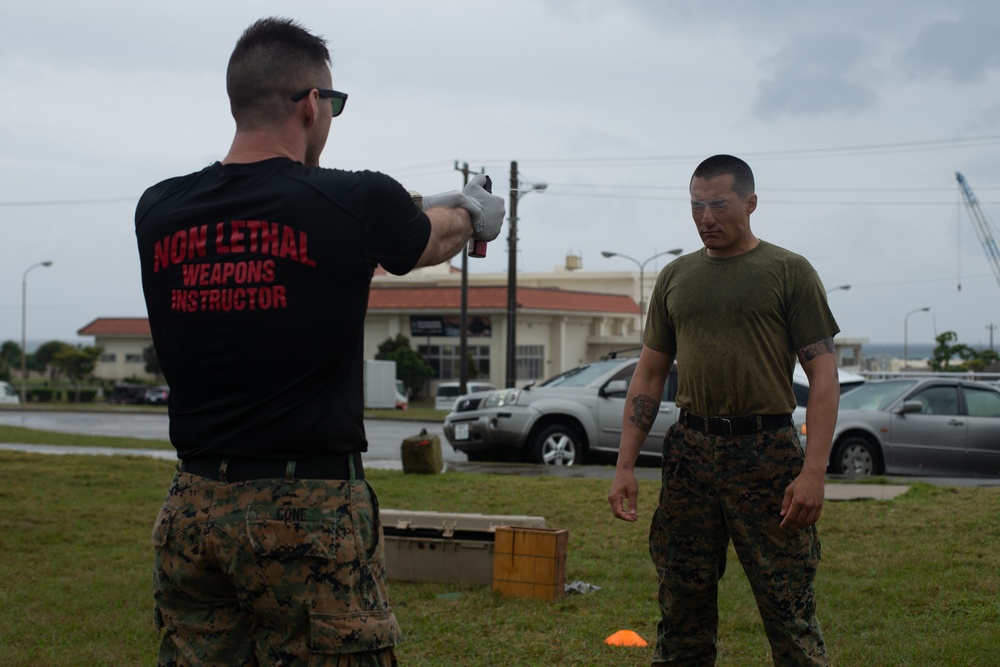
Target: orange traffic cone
625, 638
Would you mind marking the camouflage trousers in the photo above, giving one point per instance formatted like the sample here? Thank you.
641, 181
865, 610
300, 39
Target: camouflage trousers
270, 572
719, 488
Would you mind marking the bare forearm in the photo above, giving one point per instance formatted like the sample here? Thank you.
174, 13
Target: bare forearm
451, 230
820, 364
821, 419
640, 413
642, 404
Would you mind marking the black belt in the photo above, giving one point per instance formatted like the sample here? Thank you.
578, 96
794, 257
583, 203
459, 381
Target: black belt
730, 426
240, 469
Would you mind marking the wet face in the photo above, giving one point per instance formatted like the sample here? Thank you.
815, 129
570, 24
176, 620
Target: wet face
722, 216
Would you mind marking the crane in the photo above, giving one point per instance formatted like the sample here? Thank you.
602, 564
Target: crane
982, 224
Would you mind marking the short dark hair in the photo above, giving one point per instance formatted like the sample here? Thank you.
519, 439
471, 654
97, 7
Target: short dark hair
273, 59
723, 165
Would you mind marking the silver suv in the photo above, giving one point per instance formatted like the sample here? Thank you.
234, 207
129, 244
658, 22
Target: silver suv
561, 420
578, 412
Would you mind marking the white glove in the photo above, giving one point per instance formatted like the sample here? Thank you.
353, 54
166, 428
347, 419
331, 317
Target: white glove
452, 199
488, 217
487, 210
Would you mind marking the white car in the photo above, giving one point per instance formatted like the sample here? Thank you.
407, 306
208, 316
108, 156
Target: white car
448, 393
7, 395
800, 387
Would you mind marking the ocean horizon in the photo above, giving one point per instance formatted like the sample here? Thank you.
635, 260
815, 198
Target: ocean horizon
895, 350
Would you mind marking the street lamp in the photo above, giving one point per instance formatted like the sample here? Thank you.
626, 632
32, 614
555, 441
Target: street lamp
906, 358
642, 283
516, 190
24, 342
834, 289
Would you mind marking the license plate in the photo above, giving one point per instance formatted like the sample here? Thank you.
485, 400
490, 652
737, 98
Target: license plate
461, 431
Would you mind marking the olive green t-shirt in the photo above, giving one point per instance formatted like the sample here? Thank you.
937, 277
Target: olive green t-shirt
734, 326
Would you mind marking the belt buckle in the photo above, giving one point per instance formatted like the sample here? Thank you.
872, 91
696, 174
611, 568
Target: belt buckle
729, 425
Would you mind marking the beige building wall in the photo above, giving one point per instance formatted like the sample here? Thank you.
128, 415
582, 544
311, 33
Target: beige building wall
122, 357
566, 338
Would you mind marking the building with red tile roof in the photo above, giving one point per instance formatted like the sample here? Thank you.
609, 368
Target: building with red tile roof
562, 321
123, 340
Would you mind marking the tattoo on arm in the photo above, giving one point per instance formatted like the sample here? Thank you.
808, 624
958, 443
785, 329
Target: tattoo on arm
813, 350
643, 412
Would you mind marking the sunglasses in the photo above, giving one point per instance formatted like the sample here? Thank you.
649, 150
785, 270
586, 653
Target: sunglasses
337, 98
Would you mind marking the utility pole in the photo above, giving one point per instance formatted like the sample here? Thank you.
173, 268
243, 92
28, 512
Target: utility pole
511, 380
463, 317
515, 194
992, 327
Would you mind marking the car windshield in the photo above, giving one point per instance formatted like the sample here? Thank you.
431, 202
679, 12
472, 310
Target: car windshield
581, 376
875, 395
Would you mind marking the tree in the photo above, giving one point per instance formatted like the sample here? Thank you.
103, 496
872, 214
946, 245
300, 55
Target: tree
10, 359
44, 358
152, 361
77, 363
948, 348
410, 366
390, 345
984, 359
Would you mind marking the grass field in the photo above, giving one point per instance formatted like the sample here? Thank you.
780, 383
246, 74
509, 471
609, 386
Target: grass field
912, 581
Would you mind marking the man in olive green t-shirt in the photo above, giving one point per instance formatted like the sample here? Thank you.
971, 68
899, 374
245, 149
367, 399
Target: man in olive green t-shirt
735, 315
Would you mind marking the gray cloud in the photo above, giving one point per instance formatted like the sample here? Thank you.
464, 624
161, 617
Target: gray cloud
964, 51
814, 76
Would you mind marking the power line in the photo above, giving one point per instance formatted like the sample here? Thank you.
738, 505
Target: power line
441, 167
554, 192
864, 149
68, 202
684, 188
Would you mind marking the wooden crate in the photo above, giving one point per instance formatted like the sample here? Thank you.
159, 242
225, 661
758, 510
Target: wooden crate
530, 562
443, 546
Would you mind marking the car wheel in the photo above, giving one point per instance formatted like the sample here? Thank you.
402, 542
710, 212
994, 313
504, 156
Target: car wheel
557, 445
855, 456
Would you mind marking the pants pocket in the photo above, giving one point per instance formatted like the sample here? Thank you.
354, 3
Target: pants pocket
162, 526
353, 633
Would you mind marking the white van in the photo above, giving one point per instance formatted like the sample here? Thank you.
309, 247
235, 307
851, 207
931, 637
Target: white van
448, 393
7, 395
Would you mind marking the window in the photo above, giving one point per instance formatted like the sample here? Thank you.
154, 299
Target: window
982, 402
109, 358
133, 359
937, 400
444, 360
530, 362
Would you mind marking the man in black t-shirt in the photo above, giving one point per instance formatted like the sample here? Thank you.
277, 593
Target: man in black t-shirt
256, 272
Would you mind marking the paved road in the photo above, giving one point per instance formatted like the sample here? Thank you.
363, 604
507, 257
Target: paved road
384, 436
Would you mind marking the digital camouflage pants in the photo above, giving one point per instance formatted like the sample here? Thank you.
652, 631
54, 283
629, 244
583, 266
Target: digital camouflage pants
270, 572
719, 488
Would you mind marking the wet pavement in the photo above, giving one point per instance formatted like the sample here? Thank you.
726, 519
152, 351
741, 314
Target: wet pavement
384, 451
835, 490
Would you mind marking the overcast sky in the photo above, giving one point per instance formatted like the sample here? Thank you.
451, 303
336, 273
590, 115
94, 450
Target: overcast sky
854, 115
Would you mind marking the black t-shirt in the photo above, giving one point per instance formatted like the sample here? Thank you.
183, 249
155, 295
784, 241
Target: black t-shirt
256, 279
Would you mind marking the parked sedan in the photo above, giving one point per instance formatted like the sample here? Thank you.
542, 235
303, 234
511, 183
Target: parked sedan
930, 426
559, 421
